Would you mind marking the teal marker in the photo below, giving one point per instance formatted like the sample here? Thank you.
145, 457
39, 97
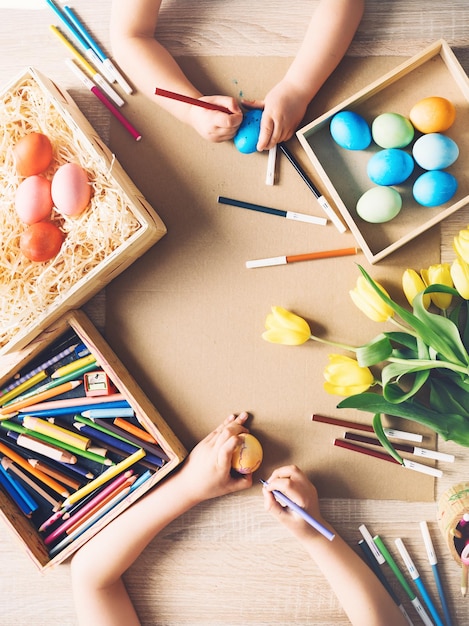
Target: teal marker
402, 581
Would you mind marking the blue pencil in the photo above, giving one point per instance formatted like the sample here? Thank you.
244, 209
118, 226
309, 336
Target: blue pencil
71, 410
285, 500
17, 492
436, 574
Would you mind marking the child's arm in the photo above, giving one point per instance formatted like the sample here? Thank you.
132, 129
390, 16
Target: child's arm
99, 593
361, 594
328, 36
149, 65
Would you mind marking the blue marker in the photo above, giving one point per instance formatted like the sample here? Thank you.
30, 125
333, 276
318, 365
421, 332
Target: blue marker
434, 563
418, 582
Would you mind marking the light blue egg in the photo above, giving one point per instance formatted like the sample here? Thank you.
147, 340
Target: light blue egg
435, 151
350, 130
390, 167
379, 205
247, 136
434, 188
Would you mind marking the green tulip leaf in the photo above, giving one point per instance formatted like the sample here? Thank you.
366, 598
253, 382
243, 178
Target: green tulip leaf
377, 350
384, 441
391, 377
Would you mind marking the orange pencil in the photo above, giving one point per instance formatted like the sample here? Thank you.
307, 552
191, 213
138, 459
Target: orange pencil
44, 395
47, 480
142, 434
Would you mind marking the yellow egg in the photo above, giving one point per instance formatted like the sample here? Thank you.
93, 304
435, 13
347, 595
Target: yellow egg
433, 115
247, 456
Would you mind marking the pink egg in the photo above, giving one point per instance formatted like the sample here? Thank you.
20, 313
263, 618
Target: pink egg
71, 189
33, 200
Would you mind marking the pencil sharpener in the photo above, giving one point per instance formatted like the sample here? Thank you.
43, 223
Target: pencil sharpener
98, 383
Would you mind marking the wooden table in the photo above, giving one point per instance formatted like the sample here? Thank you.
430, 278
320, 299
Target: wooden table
226, 562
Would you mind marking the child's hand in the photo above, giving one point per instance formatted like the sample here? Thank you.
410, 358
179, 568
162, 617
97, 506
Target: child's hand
292, 482
207, 471
216, 126
284, 108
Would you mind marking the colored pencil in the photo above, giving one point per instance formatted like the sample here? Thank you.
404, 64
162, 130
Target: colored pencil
129, 438
402, 447
390, 432
78, 470
317, 194
416, 467
289, 215
96, 91
44, 395
18, 494
271, 162
86, 454
295, 258
415, 575
84, 510
44, 427
58, 475
107, 475
19, 460
94, 74
286, 501
103, 57
64, 370
51, 361
432, 559
24, 386
95, 518
109, 413
11, 467
139, 432
82, 401
88, 50
188, 100
41, 447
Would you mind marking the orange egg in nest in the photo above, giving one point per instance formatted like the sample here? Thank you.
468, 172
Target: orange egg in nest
433, 115
248, 455
33, 154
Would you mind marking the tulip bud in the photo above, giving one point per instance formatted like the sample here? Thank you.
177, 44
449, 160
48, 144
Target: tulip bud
286, 328
369, 302
344, 377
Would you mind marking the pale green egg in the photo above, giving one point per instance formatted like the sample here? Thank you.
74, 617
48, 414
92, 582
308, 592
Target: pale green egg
379, 205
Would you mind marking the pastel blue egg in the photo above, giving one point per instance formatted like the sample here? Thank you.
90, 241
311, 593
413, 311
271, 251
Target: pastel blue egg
390, 167
350, 130
434, 188
247, 136
435, 151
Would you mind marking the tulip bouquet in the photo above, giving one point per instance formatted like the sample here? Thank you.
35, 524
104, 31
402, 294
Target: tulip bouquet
420, 370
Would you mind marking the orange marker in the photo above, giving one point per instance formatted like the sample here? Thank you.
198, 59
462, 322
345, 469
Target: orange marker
308, 256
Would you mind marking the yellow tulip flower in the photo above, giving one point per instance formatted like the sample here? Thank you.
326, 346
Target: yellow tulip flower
412, 284
344, 377
369, 302
286, 328
461, 244
460, 275
439, 274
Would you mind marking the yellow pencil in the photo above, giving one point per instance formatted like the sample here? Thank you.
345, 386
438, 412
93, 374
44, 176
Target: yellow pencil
17, 391
44, 427
104, 477
73, 366
44, 395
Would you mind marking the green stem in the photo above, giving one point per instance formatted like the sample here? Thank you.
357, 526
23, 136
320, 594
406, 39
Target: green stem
431, 364
333, 343
405, 329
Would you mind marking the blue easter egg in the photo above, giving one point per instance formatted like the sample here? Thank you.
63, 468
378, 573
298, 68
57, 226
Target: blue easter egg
435, 151
434, 188
247, 136
390, 167
350, 130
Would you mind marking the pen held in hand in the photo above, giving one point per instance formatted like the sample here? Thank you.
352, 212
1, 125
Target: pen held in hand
285, 501
188, 100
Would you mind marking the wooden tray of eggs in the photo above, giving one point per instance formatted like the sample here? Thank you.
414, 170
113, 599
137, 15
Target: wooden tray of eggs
392, 158
71, 218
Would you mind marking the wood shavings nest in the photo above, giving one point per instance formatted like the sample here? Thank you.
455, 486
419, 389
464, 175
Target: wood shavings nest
28, 289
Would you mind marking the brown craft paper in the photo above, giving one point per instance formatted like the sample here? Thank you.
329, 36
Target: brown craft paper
187, 318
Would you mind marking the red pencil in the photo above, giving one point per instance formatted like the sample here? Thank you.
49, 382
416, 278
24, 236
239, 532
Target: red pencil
198, 103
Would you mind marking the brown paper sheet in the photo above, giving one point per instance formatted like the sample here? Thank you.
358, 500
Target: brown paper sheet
187, 318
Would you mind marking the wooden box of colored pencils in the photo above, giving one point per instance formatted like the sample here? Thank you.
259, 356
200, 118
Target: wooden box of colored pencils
115, 229
342, 173
70, 461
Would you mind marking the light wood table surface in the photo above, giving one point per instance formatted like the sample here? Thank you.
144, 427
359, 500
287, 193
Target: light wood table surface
226, 562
